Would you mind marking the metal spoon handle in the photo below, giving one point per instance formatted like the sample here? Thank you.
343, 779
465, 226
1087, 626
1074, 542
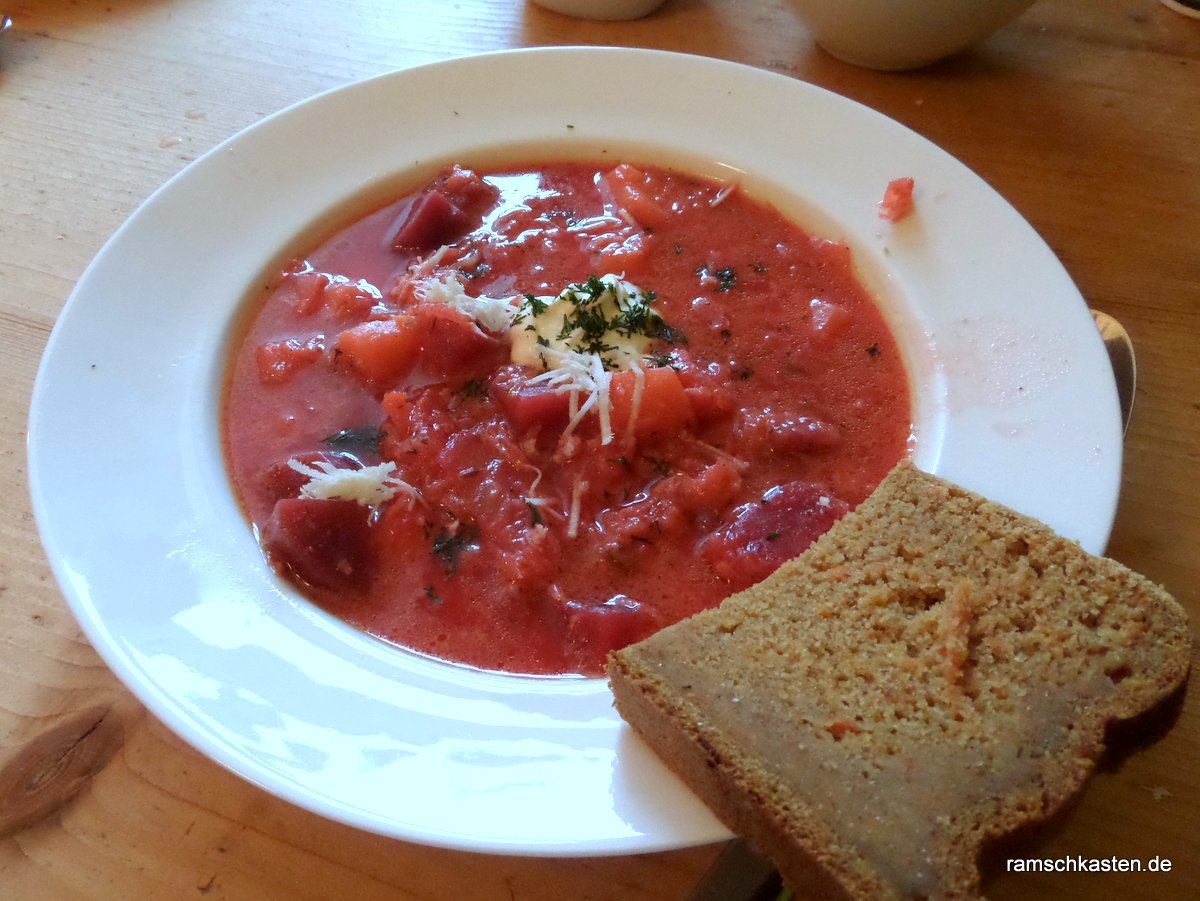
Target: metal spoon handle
1124, 364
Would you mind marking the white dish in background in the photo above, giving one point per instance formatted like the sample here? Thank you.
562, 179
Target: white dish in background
604, 10
1190, 8
903, 34
1014, 399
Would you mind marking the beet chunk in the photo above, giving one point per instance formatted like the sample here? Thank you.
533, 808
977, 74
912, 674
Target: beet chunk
593, 630
431, 221
320, 542
759, 536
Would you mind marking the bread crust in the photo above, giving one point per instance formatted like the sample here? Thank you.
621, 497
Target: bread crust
937, 670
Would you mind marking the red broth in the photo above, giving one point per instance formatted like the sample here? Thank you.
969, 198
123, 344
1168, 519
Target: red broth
508, 530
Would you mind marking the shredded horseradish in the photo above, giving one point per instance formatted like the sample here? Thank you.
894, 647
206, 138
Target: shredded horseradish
495, 314
578, 337
533, 499
368, 485
639, 388
577, 490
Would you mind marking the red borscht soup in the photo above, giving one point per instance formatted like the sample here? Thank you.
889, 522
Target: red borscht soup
519, 418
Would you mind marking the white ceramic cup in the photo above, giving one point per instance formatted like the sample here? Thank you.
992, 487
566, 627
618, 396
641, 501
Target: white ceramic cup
903, 34
610, 10
1186, 7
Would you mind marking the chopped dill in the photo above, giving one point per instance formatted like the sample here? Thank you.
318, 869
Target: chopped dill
449, 546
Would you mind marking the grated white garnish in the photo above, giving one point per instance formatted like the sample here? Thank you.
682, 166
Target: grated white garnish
368, 485
427, 266
533, 499
541, 337
738, 463
635, 404
576, 500
495, 314
580, 374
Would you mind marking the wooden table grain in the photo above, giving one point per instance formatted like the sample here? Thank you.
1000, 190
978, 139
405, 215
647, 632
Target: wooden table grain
1084, 114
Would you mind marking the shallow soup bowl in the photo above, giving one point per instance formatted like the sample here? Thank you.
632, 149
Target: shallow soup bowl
1013, 397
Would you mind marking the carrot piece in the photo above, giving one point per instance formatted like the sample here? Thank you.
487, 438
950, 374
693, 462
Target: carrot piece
381, 351
348, 300
632, 192
309, 290
663, 409
278, 361
429, 340
451, 345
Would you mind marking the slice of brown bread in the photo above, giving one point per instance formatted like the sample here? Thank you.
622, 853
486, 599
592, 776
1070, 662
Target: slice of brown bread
934, 671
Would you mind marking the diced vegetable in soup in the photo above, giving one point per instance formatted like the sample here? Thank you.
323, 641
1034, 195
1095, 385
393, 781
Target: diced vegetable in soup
517, 419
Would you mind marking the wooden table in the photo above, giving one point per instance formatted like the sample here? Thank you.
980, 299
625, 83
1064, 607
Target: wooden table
1085, 114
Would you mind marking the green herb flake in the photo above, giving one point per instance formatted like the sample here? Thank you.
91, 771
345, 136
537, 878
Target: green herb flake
588, 323
667, 333
536, 305
726, 277
450, 545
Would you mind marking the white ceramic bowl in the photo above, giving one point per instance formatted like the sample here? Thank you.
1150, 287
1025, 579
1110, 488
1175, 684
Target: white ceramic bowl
1014, 398
903, 34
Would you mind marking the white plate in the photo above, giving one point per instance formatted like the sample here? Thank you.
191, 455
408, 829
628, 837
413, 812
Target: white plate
1015, 399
